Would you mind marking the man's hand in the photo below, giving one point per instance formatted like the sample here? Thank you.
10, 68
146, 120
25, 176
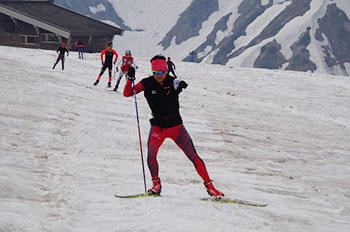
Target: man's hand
131, 73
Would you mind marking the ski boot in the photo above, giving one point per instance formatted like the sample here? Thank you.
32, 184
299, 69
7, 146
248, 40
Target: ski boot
96, 82
212, 191
109, 85
157, 187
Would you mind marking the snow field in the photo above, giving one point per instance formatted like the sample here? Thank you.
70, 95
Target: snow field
67, 147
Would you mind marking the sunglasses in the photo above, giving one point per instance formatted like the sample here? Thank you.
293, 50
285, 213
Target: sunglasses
158, 72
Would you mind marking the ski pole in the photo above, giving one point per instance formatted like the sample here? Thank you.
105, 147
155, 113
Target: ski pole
138, 127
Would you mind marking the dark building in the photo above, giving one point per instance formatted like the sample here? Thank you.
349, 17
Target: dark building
42, 24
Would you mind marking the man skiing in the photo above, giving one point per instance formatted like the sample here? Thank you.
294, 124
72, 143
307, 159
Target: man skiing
80, 46
171, 67
107, 63
162, 94
126, 61
61, 51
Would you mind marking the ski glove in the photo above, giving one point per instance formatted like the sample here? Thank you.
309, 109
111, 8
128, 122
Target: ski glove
131, 73
136, 67
116, 69
182, 85
102, 63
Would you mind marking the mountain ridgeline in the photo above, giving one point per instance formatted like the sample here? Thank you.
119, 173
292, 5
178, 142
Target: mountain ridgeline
299, 35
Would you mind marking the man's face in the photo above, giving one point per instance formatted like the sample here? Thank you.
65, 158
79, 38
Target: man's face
109, 48
159, 77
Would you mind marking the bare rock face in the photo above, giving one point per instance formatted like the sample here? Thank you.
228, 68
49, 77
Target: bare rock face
335, 25
270, 56
300, 60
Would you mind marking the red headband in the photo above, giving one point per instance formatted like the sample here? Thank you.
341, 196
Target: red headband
159, 65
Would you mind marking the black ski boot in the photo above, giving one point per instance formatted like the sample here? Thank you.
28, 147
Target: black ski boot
109, 85
96, 82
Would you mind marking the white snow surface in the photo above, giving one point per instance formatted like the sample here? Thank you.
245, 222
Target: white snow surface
66, 147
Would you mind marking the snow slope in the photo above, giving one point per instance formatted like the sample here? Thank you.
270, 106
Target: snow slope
275, 137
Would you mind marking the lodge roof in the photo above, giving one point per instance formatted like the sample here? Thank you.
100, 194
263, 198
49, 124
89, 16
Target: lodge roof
64, 22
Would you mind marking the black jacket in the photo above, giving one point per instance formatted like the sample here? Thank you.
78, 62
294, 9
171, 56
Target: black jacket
163, 101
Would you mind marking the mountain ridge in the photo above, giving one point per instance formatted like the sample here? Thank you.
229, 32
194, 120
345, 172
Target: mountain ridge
245, 33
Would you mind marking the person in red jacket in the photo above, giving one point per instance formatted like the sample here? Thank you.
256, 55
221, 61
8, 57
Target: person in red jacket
162, 94
126, 61
108, 53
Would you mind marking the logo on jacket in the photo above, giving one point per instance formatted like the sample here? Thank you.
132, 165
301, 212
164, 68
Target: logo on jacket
154, 91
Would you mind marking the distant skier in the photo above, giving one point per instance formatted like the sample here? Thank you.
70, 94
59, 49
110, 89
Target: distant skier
80, 46
171, 67
61, 52
162, 93
126, 61
107, 63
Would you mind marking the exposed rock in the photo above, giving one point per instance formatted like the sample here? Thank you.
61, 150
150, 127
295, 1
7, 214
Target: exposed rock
335, 25
270, 56
300, 60
249, 10
221, 25
82, 7
190, 21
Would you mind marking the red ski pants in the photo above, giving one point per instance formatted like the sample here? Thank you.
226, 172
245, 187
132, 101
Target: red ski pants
181, 137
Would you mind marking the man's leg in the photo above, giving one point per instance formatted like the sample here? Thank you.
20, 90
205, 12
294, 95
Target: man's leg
110, 76
62, 60
184, 141
58, 59
100, 75
181, 137
121, 74
155, 140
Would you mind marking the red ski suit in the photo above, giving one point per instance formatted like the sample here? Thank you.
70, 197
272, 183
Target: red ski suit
126, 62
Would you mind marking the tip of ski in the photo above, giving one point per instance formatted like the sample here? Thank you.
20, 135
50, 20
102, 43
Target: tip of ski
234, 201
138, 195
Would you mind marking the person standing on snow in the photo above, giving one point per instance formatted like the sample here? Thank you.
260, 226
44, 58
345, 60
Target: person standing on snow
171, 67
126, 61
61, 51
80, 46
107, 63
162, 93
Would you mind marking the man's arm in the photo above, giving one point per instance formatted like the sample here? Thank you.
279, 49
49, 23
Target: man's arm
129, 90
102, 53
116, 55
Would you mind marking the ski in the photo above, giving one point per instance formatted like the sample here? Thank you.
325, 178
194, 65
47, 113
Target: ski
111, 91
234, 201
138, 195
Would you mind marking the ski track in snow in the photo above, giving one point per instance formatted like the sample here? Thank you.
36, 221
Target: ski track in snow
273, 137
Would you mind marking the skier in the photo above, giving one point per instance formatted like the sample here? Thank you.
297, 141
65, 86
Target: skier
171, 67
108, 53
61, 51
80, 46
162, 94
126, 61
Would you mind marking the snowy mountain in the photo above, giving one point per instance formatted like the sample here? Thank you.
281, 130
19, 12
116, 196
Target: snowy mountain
302, 35
269, 136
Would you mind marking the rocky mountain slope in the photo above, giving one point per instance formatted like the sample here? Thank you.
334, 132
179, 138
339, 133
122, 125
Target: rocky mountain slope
300, 35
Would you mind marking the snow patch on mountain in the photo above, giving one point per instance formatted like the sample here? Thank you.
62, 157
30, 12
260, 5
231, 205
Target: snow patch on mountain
99, 8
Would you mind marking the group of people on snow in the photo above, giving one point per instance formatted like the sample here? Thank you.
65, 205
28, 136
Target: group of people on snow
161, 91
